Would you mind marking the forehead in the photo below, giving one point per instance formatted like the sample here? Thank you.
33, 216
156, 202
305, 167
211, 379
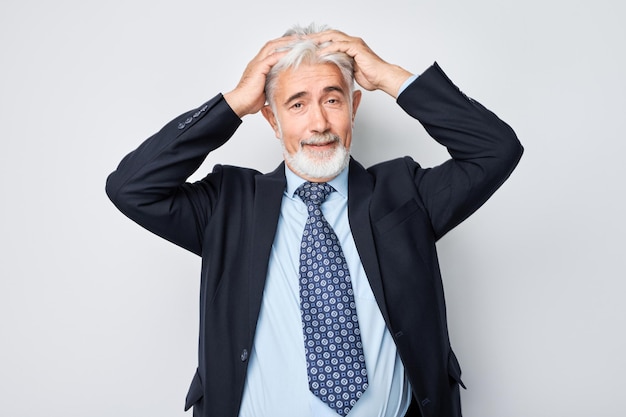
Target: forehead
309, 78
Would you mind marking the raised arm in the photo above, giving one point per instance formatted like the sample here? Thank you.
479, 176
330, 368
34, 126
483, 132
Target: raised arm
149, 185
484, 149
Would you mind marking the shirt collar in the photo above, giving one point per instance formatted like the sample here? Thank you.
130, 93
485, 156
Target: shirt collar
339, 183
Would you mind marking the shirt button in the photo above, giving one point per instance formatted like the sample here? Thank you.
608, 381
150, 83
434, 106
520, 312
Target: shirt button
244, 355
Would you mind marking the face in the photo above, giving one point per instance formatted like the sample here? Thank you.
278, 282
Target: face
313, 118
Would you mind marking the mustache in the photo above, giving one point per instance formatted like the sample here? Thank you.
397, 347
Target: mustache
320, 138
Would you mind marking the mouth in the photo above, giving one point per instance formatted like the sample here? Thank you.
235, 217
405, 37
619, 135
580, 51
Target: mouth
320, 143
319, 146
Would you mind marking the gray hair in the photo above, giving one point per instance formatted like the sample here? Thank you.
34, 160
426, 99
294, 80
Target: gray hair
304, 51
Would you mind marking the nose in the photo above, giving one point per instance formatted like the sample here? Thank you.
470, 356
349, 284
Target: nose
319, 119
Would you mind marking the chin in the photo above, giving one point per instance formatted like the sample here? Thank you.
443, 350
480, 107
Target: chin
319, 165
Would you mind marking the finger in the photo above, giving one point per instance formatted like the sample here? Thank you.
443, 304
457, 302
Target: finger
335, 41
354, 49
329, 36
272, 58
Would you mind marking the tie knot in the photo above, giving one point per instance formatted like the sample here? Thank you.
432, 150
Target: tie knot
314, 192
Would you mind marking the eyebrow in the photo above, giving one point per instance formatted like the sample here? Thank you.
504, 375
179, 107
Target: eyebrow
301, 94
296, 96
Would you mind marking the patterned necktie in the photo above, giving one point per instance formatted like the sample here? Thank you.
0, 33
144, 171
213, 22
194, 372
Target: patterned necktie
335, 361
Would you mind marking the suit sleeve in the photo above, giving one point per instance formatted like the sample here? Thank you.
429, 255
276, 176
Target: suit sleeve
149, 185
484, 149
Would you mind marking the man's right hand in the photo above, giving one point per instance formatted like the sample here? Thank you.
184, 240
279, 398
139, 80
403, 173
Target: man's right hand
248, 97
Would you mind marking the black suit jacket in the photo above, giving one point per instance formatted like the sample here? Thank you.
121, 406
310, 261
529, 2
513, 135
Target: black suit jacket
397, 211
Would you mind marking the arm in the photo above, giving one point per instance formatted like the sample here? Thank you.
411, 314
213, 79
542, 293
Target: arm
484, 149
149, 185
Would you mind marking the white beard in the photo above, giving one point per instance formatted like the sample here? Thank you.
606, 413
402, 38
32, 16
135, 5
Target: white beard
313, 164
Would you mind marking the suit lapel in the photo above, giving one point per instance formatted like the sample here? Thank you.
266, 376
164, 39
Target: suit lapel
360, 189
267, 201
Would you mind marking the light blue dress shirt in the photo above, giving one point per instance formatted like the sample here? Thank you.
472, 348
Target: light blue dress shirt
276, 383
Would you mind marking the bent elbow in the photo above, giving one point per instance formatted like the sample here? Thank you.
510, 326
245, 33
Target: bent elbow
510, 150
115, 191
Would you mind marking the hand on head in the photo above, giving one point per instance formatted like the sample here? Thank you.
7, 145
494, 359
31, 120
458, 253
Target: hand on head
370, 71
248, 97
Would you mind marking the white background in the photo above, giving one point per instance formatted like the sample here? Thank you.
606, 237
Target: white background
99, 317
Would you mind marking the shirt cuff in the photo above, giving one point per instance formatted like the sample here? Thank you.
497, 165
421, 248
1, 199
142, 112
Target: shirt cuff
407, 83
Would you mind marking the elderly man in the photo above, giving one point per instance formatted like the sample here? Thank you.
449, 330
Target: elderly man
320, 288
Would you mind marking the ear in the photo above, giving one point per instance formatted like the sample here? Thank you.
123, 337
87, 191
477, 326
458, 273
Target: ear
271, 118
356, 100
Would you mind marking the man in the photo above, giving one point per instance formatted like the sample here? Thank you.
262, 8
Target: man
293, 325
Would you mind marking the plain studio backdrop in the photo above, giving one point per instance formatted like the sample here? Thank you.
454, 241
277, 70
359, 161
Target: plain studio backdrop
98, 317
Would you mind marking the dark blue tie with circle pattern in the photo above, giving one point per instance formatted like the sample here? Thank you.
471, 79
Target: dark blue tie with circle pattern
335, 361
